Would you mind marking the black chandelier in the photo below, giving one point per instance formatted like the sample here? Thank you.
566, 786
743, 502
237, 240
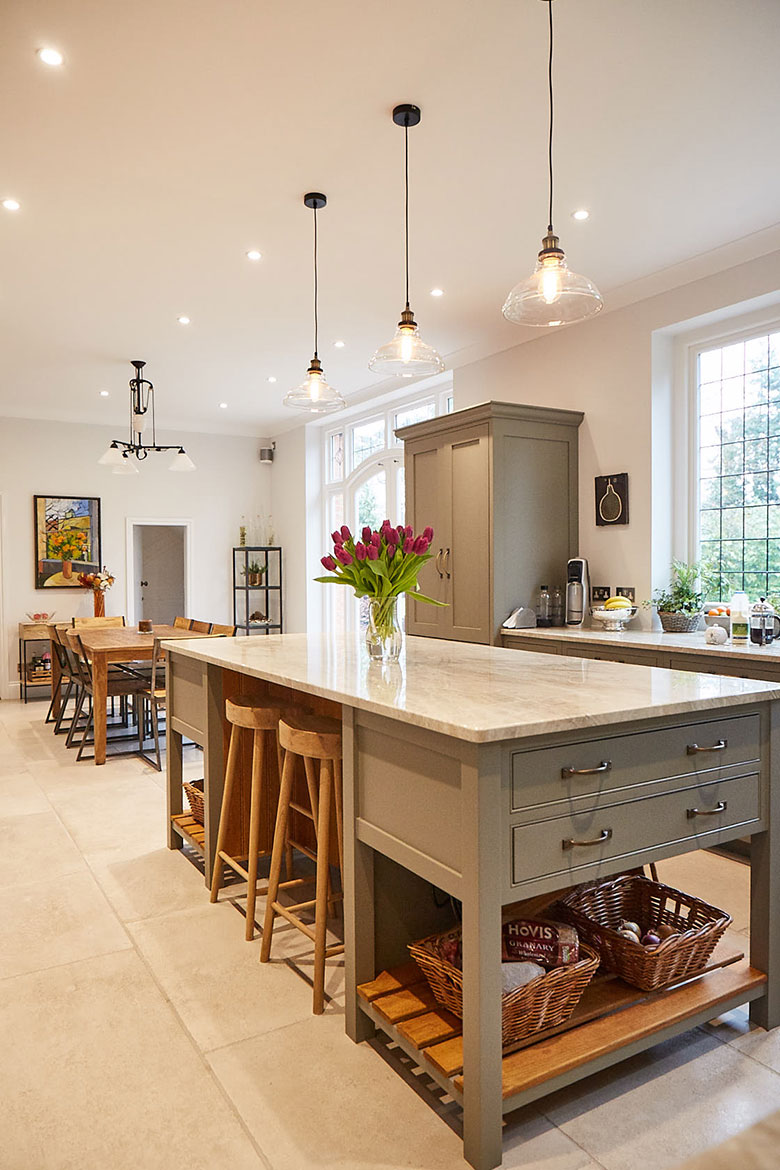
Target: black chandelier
141, 414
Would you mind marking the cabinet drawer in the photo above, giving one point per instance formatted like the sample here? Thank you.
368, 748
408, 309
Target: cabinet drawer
588, 768
576, 841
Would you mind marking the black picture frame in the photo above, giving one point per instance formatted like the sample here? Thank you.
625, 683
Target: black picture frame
612, 499
61, 514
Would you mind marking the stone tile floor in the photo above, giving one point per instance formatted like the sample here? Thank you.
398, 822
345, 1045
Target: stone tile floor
140, 1031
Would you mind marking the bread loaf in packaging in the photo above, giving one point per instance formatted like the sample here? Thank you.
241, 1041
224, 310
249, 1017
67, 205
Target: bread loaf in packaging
553, 944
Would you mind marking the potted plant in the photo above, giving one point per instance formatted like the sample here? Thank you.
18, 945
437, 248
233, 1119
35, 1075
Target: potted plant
254, 573
679, 606
381, 566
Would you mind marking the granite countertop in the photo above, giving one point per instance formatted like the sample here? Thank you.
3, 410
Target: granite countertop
650, 640
473, 692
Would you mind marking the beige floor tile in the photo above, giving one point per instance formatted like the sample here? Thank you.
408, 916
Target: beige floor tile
153, 884
124, 818
65, 777
53, 921
717, 880
104, 1076
758, 1045
35, 843
214, 977
20, 795
655, 1110
358, 1112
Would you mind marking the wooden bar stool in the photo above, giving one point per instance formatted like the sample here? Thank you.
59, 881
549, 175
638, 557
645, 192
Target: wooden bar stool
263, 721
313, 737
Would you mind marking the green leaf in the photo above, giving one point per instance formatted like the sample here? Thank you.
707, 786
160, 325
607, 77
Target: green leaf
421, 597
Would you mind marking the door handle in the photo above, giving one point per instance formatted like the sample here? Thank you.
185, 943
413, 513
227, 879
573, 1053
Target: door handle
720, 807
439, 555
568, 843
143, 583
604, 766
720, 746
447, 566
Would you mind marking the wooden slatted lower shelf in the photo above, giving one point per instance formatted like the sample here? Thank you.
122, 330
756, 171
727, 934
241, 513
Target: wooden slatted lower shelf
611, 1015
191, 830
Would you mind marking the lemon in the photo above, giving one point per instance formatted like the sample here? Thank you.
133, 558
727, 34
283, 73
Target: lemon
618, 602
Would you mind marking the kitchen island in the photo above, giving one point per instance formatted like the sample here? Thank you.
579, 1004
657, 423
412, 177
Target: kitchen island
494, 777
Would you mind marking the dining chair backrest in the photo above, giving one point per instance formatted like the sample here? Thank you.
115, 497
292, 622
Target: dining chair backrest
157, 680
81, 665
200, 627
60, 649
181, 623
224, 631
96, 622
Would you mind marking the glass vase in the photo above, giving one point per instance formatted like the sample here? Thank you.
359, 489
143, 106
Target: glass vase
384, 636
99, 602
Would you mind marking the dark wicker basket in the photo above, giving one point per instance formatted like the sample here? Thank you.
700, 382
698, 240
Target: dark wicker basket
545, 1002
597, 911
194, 790
679, 623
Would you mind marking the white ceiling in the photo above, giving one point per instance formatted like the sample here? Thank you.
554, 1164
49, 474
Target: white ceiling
181, 133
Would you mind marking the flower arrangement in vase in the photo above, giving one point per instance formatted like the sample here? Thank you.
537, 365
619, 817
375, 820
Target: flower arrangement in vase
381, 566
98, 583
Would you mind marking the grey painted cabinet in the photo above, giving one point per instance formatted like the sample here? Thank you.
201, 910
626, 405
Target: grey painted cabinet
498, 484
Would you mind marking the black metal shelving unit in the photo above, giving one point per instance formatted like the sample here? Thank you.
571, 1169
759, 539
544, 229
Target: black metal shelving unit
265, 597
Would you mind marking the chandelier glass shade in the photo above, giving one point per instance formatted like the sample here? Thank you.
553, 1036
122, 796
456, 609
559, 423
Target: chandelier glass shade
119, 454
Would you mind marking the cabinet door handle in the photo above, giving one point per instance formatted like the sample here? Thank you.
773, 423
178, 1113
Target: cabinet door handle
720, 807
604, 766
720, 746
569, 843
447, 565
437, 562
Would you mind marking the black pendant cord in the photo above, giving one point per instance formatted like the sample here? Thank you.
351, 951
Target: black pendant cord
316, 290
550, 141
406, 206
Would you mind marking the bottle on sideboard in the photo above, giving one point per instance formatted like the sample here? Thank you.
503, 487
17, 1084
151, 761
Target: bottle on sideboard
544, 607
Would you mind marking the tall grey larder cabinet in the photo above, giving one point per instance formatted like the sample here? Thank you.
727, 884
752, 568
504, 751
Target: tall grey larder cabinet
498, 484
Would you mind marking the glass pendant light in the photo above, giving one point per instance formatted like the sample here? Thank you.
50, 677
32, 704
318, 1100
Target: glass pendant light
407, 355
181, 461
314, 394
553, 295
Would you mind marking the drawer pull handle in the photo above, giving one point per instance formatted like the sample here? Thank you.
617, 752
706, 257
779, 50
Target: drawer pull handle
604, 766
720, 807
569, 843
720, 746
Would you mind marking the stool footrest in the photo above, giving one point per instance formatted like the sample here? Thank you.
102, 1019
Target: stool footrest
287, 913
336, 949
304, 849
236, 865
305, 812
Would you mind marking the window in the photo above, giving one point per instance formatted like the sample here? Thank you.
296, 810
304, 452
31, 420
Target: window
738, 397
364, 481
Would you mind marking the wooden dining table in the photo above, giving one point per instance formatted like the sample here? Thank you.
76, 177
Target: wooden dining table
106, 644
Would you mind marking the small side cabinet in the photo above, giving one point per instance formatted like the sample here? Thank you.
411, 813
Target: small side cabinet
498, 484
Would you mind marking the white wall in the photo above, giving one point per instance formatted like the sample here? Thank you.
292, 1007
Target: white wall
61, 459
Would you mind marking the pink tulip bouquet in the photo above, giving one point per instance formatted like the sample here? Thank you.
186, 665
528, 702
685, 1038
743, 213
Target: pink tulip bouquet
381, 566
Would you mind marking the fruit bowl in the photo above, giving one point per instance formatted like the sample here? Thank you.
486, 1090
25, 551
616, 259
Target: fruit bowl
613, 619
41, 617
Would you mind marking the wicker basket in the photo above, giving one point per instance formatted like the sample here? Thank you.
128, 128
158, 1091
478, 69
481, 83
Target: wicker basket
679, 623
194, 790
597, 911
546, 1002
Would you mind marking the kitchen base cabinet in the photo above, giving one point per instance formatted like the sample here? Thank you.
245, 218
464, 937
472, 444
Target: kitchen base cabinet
498, 485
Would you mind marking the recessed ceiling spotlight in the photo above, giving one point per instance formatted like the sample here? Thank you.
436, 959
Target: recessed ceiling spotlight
104, 393
581, 213
183, 320
339, 344
272, 378
253, 255
50, 56
223, 406
437, 292
11, 204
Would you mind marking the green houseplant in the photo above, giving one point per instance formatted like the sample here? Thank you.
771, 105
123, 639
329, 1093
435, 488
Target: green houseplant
680, 605
254, 573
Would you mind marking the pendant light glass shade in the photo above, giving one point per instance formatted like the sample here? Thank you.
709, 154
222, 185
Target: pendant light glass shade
140, 420
181, 461
126, 466
554, 295
113, 456
315, 395
407, 355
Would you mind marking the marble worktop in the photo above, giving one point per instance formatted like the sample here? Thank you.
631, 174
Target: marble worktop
474, 692
648, 640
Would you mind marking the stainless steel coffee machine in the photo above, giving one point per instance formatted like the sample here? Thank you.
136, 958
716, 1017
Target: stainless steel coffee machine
577, 591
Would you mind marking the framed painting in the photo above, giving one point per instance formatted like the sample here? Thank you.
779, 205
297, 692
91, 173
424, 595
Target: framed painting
67, 540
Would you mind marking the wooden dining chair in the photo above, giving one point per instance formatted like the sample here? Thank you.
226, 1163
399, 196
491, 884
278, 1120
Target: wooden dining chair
224, 631
152, 699
120, 684
67, 685
95, 623
181, 623
200, 627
